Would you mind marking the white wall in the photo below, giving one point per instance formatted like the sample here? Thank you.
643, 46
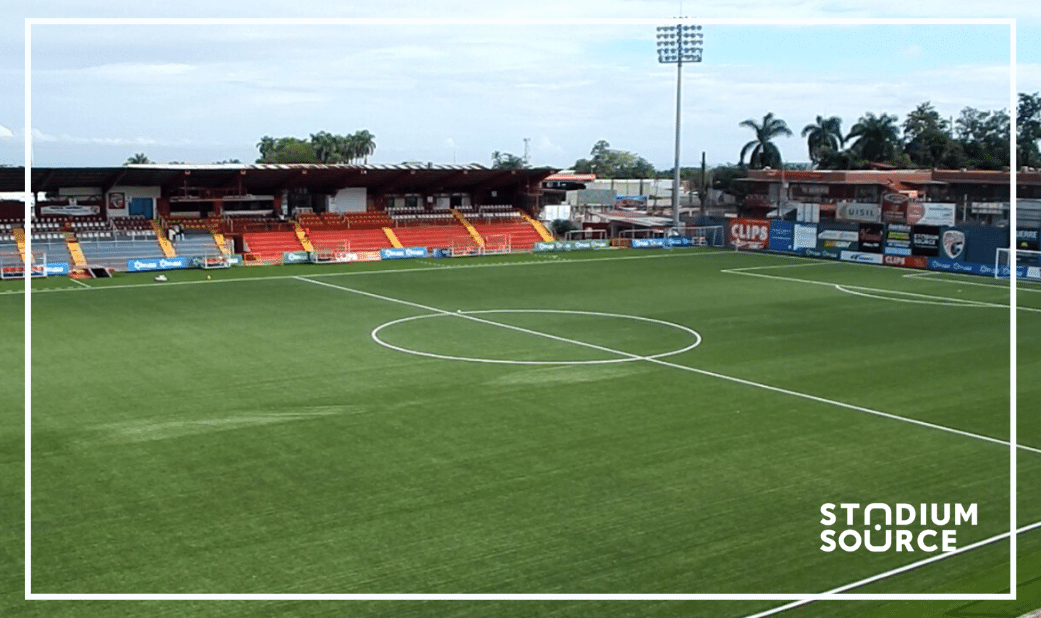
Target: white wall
351, 199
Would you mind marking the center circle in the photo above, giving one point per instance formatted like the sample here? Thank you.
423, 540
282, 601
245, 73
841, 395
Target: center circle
624, 357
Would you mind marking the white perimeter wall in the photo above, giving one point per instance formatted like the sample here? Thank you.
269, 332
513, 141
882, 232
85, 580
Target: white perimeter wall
351, 199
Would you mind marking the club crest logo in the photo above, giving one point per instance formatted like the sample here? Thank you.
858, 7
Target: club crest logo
953, 243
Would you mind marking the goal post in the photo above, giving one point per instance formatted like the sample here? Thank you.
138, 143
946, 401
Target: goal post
218, 260
708, 236
1025, 263
12, 265
495, 244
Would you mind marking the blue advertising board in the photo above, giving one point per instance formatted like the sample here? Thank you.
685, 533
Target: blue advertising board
403, 253
57, 268
679, 241
828, 254
782, 235
647, 243
164, 263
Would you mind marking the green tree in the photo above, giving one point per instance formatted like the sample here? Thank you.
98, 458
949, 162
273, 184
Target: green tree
505, 160
290, 150
364, 144
877, 138
607, 162
927, 139
1028, 130
138, 159
560, 227
983, 138
763, 150
825, 133
266, 146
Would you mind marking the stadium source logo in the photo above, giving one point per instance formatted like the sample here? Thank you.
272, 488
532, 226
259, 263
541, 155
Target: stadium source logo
953, 243
886, 528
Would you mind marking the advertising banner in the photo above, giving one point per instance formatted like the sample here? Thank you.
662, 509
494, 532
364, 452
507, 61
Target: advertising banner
750, 233
858, 211
894, 207
1027, 239
931, 213
870, 237
235, 259
898, 239
805, 237
403, 253
782, 235
57, 268
647, 243
952, 244
71, 210
904, 261
146, 264
828, 254
679, 241
441, 253
952, 266
863, 258
925, 240
631, 201
296, 257
837, 239
579, 245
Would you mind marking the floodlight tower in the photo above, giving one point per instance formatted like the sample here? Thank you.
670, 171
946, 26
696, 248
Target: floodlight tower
678, 44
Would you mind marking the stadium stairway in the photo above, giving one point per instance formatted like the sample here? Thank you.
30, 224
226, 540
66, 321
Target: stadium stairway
469, 228
302, 237
164, 243
73, 245
541, 229
392, 237
222, 244
19, 237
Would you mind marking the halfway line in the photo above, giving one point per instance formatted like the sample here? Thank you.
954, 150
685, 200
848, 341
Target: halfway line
712, 374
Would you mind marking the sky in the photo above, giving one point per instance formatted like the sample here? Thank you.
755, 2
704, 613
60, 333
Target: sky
456, 92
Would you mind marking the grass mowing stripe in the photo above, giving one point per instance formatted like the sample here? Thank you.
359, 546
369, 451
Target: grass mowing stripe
704, 372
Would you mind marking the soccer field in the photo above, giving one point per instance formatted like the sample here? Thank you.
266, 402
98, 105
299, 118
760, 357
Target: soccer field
607, 422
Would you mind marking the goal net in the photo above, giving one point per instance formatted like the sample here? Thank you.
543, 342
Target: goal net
495, 244
1025, 263
215, 261
708, 236
12, 265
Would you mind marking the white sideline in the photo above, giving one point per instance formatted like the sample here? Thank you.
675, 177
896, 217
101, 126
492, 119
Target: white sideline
721, 376
946, 300
896, 571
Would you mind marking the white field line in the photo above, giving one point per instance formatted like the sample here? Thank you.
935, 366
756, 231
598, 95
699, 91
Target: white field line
658, 361
944, 300
78, 282
931, 276
897, 571
855, 290
533, 262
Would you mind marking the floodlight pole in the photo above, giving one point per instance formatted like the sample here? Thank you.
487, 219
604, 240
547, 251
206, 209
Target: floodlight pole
677, 44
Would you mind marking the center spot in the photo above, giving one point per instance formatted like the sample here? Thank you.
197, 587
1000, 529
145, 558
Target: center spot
536, 337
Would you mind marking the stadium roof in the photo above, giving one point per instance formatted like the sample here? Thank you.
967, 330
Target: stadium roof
267, 179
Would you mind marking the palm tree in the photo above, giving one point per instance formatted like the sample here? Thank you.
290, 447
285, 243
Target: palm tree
325, 147
266, 146
877, 137
364, 144
827, 133
139, 158
764, 151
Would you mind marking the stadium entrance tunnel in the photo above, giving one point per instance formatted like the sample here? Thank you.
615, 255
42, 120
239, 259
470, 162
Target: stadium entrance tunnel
536, 337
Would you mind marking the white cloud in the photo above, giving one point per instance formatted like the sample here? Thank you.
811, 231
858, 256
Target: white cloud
5, 132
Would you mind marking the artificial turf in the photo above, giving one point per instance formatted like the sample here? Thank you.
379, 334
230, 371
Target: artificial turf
247, 434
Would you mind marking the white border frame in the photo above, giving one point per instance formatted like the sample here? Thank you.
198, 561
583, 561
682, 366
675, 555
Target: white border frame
835, 594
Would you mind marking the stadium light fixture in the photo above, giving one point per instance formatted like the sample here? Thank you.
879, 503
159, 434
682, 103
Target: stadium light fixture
678, 44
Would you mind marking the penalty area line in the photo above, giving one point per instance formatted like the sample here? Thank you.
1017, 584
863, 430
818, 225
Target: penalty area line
712, 374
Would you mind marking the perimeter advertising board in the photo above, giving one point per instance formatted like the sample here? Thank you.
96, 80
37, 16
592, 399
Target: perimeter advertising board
147, 264
870, 237
837, 239
952, 244
925, 240
899, 208
782, 235
858, 212
749, 233
898, 239
403, 253
1027, 239
578, 245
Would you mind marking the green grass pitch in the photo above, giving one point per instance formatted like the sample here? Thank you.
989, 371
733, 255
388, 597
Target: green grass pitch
618, 428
